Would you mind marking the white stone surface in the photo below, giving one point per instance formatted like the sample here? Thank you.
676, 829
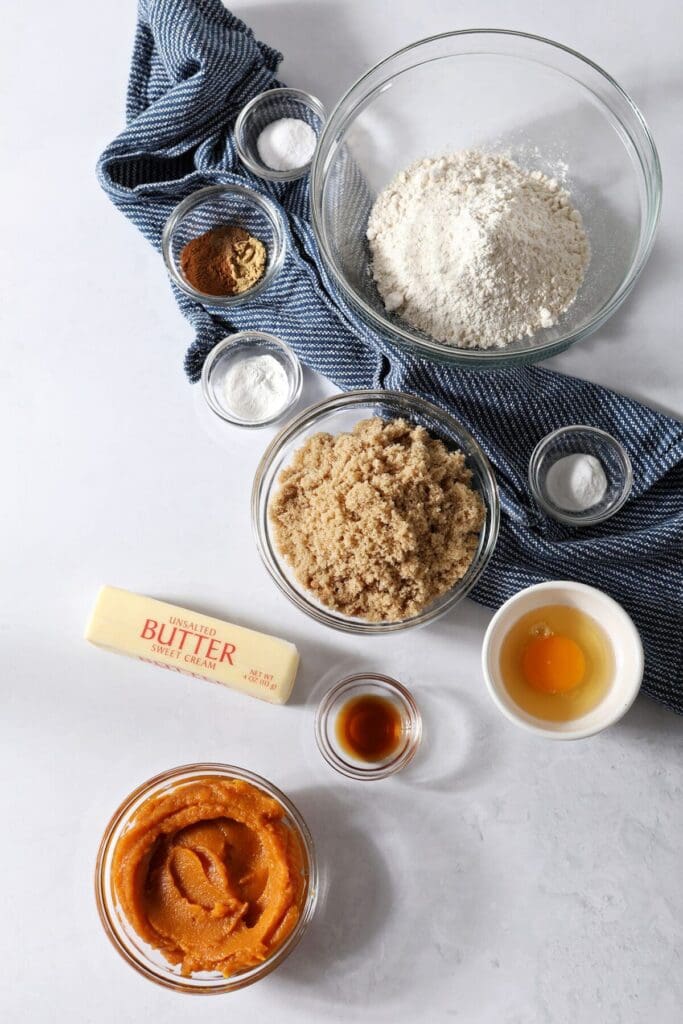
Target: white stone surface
500, 880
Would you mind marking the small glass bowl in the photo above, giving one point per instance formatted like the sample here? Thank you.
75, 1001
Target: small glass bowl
337, 415
588, 441
263, 110
148, 961
237, 348
331, 705
215, 206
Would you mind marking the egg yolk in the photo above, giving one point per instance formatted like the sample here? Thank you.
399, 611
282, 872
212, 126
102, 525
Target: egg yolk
553, 664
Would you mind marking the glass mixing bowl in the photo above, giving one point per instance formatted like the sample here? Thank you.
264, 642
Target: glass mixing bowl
335, 416
548, 108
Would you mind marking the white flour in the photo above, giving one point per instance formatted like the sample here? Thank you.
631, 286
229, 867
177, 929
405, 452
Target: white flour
474, 251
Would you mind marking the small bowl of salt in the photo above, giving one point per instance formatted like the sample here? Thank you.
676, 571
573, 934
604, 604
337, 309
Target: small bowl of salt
276, 133
580, 475
251, 379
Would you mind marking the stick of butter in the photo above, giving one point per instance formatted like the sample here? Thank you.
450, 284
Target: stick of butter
196, 645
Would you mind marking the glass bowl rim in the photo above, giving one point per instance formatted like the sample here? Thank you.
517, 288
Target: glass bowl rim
265, 205
311, 416
369, 774
260, 169
476, 359
108, 917
579, 518
258, 336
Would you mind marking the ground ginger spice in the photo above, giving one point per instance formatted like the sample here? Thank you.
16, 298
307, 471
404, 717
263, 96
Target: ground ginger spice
224, 261
379, 522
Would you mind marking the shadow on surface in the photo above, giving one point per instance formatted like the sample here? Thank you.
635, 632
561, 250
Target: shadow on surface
457, 743
355, 895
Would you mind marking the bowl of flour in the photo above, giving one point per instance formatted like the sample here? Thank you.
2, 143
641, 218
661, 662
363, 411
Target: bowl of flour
485, 198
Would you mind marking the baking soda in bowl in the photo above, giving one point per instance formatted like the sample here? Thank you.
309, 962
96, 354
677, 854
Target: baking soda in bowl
286, 144
256, 388
576, 482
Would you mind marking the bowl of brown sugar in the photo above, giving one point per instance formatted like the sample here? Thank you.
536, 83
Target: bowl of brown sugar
224, 244
375, 511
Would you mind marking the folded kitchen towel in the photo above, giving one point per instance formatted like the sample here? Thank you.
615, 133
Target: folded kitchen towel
194, 67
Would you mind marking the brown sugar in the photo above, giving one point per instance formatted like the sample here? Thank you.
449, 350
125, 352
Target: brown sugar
224, 261
379, 522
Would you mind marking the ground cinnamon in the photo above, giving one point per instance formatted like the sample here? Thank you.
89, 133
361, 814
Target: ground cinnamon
226, 260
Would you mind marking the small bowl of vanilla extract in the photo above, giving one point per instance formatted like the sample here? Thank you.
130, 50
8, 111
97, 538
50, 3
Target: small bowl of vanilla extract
368, 726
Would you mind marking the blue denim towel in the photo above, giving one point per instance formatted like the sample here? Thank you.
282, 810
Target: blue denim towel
194, 66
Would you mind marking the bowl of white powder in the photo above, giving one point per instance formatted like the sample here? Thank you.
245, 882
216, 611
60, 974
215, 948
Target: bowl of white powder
251, 379
276, 133
485, 198
580, 475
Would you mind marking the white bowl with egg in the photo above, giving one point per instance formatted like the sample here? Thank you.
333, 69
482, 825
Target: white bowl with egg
627, 650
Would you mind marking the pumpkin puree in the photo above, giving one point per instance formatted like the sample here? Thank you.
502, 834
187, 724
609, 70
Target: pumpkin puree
210, 875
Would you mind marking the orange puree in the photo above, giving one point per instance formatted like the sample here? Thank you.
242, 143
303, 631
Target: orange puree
209, 874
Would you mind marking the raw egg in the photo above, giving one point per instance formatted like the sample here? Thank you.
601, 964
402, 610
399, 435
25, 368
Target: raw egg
557, 662
553, 664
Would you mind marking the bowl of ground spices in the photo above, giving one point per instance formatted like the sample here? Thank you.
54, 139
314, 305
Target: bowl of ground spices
485, 198
224, 244
206, 878
375, 511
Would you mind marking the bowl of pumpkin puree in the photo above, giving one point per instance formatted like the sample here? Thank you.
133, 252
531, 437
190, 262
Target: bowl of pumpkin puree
206, 878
